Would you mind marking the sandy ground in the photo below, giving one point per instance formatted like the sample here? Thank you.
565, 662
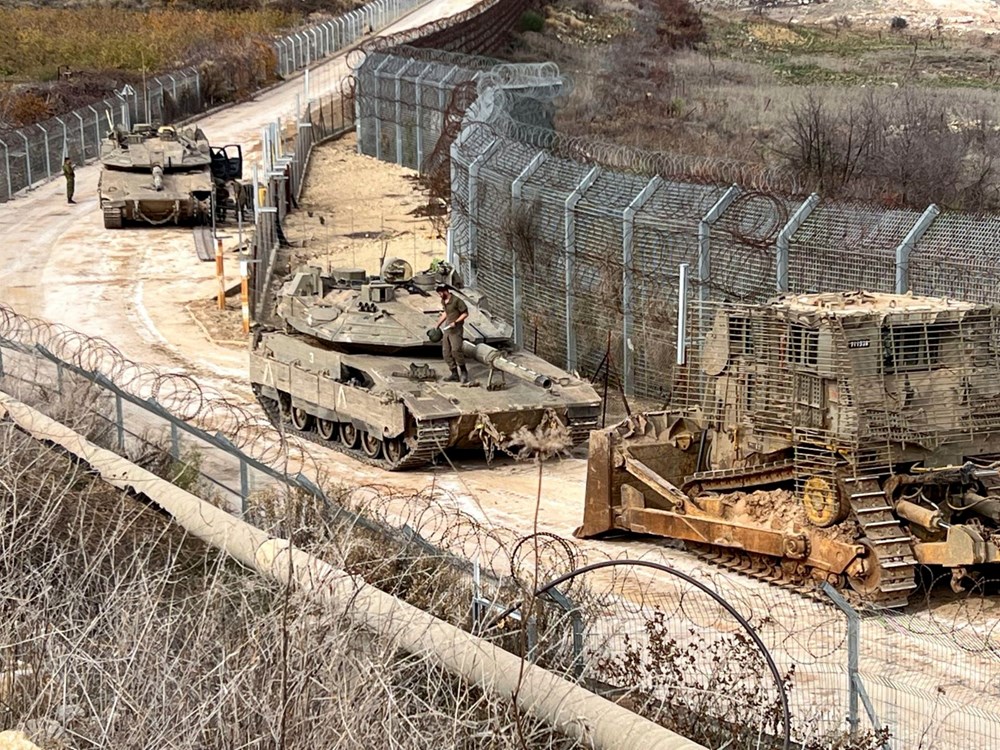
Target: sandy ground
346, 222
977, 16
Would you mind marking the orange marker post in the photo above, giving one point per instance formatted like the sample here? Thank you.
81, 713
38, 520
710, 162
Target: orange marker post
220, 275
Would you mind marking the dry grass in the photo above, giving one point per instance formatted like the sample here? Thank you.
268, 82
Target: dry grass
126, 633
736, 90
106, 38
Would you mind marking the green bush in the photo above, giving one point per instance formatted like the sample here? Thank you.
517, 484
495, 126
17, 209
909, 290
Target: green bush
531, 20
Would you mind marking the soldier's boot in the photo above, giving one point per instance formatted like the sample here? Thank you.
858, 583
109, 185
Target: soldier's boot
463, 374
453, 378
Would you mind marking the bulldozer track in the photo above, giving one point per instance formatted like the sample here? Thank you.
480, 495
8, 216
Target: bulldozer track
580, 429
762, 568
771, 571
884, 536
890, 583
431, 439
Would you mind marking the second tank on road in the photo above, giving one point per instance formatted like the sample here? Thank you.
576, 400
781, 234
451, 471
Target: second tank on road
351, 365
163, 175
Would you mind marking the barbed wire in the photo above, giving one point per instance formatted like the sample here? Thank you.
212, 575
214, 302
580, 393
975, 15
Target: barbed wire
177, 392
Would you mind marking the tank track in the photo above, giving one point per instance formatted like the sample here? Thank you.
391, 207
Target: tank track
431, 439
113, 218
742, 479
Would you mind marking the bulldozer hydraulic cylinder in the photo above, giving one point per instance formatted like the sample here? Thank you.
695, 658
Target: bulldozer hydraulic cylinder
926, 517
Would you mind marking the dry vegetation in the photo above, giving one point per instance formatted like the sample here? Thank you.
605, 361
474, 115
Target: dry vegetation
56, 59
118, 630
892, 115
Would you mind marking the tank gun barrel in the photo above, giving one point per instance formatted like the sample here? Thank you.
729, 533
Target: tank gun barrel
488, 355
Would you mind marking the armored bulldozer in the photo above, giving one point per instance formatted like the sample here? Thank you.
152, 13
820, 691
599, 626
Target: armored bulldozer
844, 437
352, 365
164, 175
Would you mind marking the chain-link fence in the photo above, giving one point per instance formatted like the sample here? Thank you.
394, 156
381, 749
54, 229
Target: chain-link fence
579, 243
34, 154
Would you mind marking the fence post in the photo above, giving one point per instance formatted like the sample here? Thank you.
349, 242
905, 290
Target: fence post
569, 250
175, 442
120, 421
244, 485
65, 145
856, 688
906, 247
418, 93
83, 143
783, 243
474, 207
682, 312
378, 109
398, 80
705, 249
628, 243
48, 160
27, 155
515, 198
6, 161
97, 130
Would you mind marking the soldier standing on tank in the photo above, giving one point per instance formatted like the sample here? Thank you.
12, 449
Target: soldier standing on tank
70, 176
451, 324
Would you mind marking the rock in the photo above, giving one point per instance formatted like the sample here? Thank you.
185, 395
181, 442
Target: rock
14, 740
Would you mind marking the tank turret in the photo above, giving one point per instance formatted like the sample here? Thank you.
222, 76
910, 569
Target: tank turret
353, 365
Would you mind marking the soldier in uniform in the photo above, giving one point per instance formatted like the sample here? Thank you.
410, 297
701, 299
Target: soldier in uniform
452, 317
70, 176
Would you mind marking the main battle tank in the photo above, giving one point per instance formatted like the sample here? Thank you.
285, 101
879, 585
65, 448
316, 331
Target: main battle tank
845, 438
354, 368
156, 176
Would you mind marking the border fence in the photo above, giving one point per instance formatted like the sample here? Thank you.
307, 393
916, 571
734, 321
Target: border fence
579, 243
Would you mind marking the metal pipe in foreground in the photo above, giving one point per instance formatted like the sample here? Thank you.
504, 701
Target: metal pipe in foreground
563, 705
488, 355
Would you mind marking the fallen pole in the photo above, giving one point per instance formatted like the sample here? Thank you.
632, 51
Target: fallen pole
566, 707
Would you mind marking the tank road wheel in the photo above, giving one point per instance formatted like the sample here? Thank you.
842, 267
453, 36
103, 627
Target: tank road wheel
326, 428
349, 434
300, 418
395, 449
823, 502
371, 445
864, 575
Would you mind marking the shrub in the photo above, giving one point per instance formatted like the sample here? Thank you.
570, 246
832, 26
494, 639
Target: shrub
531, 21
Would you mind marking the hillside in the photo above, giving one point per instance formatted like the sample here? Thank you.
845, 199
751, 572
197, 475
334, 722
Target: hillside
836, 98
